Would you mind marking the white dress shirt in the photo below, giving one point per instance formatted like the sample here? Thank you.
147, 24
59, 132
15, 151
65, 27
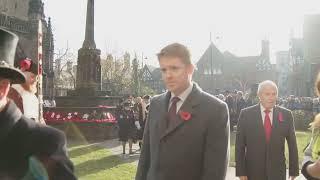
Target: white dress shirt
183, 96
263, 114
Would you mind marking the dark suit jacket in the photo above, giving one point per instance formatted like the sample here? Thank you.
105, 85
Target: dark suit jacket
194, 149
21, 138
259, 160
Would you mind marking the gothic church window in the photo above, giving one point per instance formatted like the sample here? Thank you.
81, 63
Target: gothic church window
146, 75
214, 71
263, 65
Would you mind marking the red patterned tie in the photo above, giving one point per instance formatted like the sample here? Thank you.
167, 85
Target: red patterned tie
267, 125
173, 110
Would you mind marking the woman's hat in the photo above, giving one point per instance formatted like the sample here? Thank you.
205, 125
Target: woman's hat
26, 64
8, 44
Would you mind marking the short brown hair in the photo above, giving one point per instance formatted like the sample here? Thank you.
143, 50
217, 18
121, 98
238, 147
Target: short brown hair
176, 50
317, 85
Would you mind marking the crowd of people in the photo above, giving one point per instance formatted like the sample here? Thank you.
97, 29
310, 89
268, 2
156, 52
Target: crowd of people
237, 100
301, 103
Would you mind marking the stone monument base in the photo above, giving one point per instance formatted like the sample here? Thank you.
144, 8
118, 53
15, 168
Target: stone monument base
87, 101
87, 131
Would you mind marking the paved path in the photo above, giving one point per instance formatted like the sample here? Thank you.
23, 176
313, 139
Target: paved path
115, 147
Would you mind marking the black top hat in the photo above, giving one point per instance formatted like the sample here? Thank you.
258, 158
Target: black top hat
8, 44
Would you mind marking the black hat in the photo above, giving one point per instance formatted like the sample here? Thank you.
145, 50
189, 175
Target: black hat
8, 44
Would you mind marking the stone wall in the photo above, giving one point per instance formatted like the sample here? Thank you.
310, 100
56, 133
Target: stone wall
16, 8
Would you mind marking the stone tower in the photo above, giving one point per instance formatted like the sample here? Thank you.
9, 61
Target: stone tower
88, 91
88, 80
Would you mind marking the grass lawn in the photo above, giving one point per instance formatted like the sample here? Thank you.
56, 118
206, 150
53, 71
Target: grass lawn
303, 139
93, 162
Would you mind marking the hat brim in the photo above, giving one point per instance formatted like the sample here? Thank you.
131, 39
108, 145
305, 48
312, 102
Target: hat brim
15, 75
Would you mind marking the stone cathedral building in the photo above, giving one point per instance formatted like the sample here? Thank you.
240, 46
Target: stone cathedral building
22, 17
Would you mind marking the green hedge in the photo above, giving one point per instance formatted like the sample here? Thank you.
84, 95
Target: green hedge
302, 119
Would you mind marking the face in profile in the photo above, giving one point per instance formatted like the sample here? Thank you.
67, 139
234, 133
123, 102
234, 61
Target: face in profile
4, 88
31, 81
268, 96
175, 74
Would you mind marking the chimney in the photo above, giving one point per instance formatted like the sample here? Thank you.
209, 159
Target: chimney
265, 49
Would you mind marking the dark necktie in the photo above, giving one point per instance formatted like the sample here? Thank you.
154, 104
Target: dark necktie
173, 110
267, 125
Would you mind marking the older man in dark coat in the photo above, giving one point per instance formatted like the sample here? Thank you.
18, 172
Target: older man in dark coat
187, 132
260, 142
25, 145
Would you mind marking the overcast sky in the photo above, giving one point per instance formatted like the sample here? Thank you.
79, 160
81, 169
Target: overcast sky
145, 26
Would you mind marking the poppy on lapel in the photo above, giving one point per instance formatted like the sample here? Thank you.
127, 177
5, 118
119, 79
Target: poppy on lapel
185, 115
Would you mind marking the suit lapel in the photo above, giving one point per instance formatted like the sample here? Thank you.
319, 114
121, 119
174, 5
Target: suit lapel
275, 122
187, 106
163, 112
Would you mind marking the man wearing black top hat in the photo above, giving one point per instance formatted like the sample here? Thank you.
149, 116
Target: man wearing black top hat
24, 144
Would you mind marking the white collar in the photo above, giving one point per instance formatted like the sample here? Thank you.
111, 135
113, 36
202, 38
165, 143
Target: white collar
263, 109
183, 96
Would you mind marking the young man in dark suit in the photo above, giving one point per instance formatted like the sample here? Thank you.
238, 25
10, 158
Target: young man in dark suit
260, 142
187, 132
27, 149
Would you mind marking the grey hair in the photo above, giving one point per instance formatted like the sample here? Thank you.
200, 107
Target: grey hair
263, 84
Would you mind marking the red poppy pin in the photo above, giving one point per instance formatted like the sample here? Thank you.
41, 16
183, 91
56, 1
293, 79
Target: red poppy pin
280, 117
185, 115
